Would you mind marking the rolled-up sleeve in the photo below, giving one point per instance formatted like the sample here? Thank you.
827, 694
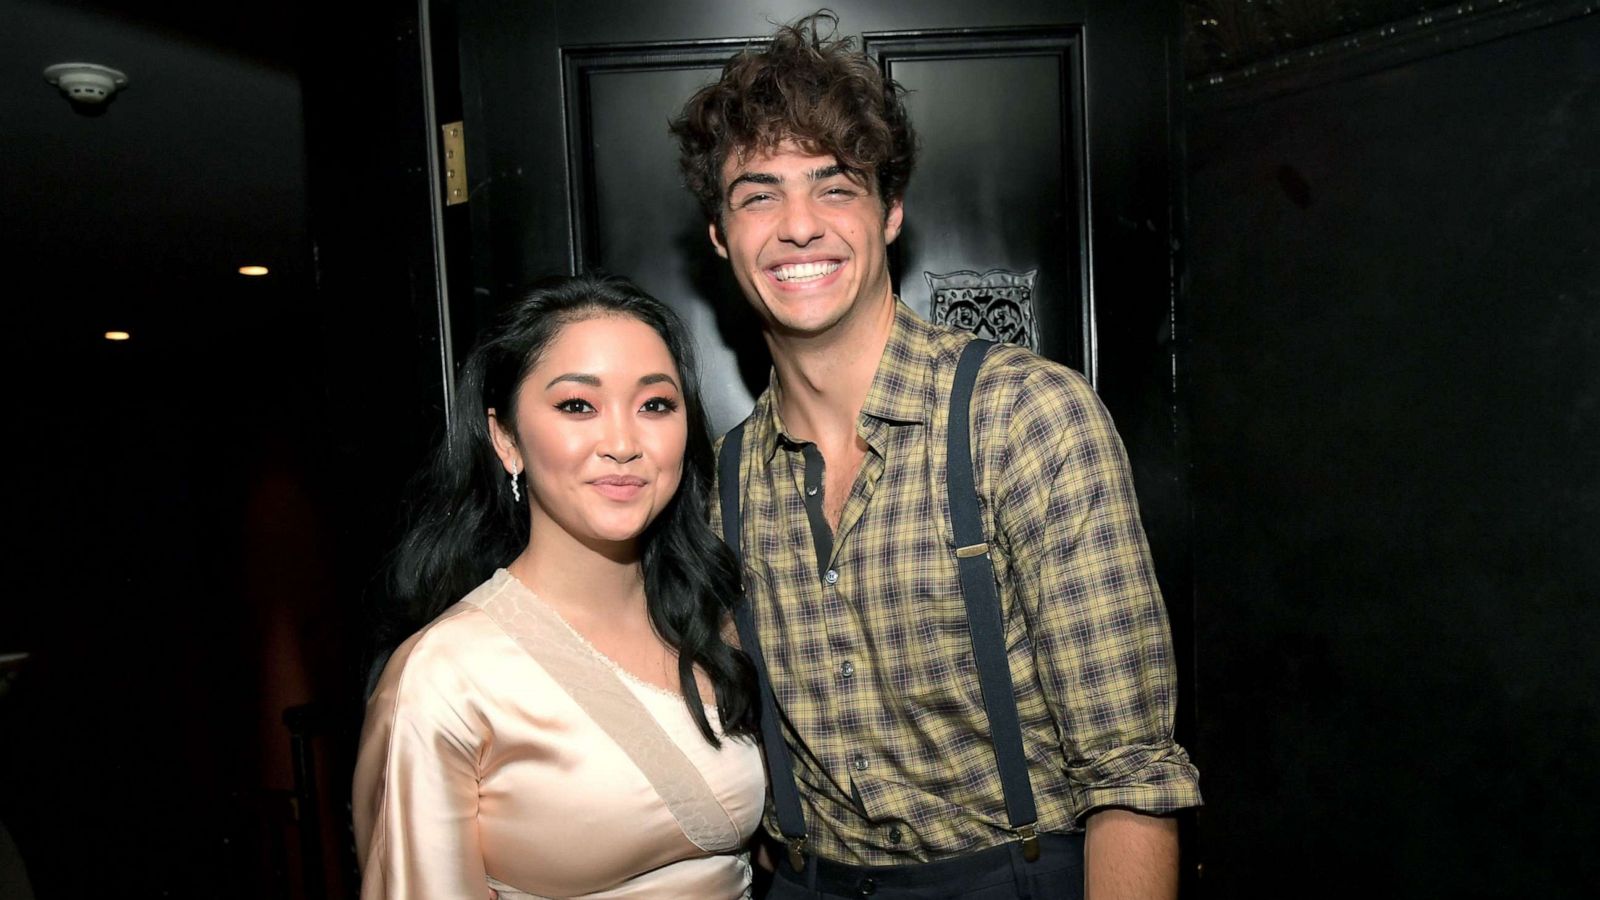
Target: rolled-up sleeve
1080, 565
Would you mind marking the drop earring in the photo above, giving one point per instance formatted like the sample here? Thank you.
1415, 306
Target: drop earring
516, 492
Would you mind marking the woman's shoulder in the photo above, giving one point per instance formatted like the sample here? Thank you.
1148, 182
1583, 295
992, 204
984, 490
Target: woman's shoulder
441, 640
439, 656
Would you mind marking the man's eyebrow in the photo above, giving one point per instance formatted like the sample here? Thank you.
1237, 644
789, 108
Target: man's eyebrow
754, 178
658, 378
579, 377
828, 172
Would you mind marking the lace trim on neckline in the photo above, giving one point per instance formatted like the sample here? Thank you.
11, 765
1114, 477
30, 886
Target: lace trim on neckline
613, 665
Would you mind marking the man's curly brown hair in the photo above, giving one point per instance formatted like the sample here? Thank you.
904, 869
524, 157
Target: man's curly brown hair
810, 86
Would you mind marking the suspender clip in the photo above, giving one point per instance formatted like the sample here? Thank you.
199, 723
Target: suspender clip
1030, 842
797, 849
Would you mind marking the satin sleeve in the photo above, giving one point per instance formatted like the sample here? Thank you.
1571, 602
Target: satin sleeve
415, 791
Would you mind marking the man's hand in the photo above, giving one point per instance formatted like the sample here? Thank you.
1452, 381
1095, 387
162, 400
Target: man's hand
1128, 855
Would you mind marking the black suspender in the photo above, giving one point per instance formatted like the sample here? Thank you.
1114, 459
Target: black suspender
785, 795
984, 621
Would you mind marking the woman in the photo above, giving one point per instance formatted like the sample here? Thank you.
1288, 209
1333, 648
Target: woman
543, 734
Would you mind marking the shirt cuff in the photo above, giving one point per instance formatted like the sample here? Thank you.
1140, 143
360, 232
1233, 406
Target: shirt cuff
1154, 779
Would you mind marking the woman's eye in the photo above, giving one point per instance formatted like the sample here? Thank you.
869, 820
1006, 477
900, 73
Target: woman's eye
575, 405
660, 405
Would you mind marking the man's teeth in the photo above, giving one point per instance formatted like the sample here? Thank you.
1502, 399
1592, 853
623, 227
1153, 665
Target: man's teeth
805, 271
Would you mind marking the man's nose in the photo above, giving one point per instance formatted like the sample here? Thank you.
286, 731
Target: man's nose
799, 224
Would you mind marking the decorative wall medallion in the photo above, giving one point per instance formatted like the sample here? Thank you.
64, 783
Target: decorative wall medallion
997, 305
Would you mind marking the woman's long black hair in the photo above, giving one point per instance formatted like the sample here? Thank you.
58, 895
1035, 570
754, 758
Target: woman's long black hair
467, 525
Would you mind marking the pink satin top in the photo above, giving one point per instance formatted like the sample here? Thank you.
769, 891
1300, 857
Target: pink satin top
477, 770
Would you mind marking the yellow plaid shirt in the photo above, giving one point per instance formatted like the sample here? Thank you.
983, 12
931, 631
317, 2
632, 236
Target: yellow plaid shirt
868, 646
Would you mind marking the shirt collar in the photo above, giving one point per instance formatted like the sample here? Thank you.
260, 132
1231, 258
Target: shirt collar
900, 389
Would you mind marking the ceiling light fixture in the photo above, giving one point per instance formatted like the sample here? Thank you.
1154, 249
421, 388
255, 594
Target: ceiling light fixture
86, 84
253, 270
117, 335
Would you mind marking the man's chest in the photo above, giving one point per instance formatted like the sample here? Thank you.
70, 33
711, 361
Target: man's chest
863, 630
841, 468
881, 572
851, 503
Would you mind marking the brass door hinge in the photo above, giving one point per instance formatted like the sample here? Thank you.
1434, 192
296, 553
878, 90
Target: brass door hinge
455, 164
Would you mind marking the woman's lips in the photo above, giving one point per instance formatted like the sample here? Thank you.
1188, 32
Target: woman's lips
619, 487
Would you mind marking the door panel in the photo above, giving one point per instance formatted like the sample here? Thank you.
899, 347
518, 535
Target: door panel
633, 216
999, 185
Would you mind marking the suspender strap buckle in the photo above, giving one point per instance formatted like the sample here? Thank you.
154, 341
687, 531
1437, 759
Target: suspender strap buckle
797, 849
1030, 841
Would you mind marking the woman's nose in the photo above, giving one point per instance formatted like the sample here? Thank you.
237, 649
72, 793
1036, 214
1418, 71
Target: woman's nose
620, 441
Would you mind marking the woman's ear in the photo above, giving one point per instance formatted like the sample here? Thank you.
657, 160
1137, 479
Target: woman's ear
505, 446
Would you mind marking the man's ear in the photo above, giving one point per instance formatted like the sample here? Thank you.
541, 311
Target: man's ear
505, 446
892, 221
715, 228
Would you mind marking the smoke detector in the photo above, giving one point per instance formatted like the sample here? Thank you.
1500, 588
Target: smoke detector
87, 84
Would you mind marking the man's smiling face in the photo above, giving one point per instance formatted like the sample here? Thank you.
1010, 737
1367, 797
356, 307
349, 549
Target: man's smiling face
808, 240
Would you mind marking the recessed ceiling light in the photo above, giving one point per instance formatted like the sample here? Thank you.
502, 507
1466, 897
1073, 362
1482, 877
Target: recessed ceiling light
117, 335
252, 270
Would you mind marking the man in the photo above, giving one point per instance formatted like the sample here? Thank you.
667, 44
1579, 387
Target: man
800, 155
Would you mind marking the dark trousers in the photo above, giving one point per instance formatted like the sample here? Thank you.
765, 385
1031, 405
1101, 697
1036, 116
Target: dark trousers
998, 873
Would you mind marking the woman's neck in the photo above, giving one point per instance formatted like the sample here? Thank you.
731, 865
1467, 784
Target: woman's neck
580, 580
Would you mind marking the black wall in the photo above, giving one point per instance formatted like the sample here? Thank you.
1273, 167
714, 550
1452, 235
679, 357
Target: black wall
197, 515
1394, 362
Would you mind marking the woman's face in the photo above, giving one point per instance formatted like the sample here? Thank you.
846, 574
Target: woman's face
601, 431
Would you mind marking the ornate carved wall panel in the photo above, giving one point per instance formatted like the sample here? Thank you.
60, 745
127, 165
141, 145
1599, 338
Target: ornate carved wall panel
996, 305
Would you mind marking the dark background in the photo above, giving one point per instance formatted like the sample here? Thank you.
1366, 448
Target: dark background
1370, 443
1393, 297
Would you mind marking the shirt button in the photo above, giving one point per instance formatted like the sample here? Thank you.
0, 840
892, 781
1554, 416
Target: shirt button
894, 834
847, 668
831, 576
860, 762
811, 491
